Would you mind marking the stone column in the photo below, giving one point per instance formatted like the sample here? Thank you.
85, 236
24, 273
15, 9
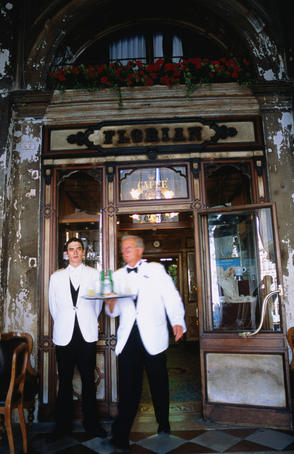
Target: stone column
21, 228
276, 104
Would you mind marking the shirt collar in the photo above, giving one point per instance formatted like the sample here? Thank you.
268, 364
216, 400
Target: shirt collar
136, 266
75, 269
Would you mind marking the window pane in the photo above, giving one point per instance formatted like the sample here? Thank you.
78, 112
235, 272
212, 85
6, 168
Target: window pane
133, 47
158, 45
228, 185
153, 183
243, 270
177, 49
80, 212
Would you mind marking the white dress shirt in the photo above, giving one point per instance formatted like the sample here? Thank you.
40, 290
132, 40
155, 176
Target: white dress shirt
75, 275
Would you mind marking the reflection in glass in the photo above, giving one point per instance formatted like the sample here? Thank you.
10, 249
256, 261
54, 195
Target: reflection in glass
228, 185
192, 286
80, 212
243, 270
157, 218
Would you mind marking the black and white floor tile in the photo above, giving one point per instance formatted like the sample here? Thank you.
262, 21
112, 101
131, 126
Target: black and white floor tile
201, 440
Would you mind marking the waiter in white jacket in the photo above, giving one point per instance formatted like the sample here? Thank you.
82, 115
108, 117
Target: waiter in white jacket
143, 336
75, 333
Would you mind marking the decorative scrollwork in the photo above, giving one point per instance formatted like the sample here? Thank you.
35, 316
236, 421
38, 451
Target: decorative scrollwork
222, 132
111, 342
259, 165
45, 344
111, 210
152, 154
196, 205
47, 211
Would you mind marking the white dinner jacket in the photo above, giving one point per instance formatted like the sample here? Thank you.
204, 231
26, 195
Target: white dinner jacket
62, 309
157, 299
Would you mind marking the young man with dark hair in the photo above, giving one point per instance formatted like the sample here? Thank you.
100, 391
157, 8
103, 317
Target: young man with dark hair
75, 333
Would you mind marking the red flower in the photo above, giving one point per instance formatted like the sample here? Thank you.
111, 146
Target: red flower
149, 81
190, 72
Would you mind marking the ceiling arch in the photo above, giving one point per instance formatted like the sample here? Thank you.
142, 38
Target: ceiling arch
65, 29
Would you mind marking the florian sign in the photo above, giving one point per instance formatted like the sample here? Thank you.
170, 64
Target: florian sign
154, 138
129, 135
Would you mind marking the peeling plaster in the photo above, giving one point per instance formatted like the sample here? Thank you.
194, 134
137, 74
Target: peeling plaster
32, 193
23, 318
18, 231
269, 75
28, 146
9, 163
256, 22
4, 61
265, 52
4, 93
3, 161
288, 282
281, 138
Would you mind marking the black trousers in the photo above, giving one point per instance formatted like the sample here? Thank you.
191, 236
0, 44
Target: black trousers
131, 362
83, 355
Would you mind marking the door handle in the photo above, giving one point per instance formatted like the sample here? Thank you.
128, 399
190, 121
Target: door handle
264, 304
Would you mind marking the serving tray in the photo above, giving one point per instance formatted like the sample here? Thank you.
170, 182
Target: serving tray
97, 296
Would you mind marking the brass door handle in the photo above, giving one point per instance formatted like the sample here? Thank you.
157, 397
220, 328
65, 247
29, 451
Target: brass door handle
264, 304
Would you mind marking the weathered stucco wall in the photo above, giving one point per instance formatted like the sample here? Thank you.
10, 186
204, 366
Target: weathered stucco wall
3, 156
7, 18
22, 229
278, 131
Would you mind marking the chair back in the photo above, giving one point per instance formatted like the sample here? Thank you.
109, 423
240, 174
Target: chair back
8, 341
290, 338
17, 375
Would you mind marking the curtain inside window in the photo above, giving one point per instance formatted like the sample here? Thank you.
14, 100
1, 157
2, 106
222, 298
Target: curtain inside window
128, 48
158, 46
177, 49
134, 47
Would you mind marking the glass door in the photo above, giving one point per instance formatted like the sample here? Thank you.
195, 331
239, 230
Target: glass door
243, 269
79, 209
243, 349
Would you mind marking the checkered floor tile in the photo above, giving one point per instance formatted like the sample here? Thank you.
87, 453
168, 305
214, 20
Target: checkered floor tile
232, 440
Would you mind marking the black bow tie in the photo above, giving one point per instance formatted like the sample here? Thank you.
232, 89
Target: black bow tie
129, 270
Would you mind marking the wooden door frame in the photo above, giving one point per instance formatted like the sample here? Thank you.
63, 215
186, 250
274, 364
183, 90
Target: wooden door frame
231, 342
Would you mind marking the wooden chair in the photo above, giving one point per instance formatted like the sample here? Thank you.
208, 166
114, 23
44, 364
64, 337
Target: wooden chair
31, 387
290, 335
13, 397
290, 338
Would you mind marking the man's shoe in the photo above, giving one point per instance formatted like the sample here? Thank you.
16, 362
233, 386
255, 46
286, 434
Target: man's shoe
163, 430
